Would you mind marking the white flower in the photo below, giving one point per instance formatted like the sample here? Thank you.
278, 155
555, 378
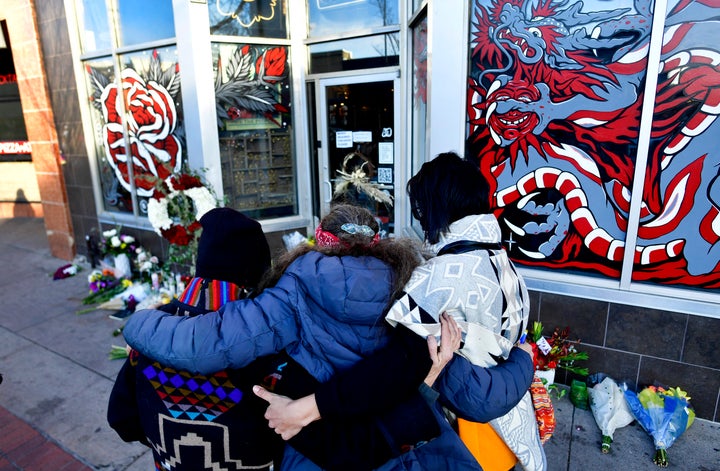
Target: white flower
115, 241
127, 239
110, 233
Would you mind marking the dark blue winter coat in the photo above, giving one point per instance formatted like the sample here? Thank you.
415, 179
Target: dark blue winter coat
327, 312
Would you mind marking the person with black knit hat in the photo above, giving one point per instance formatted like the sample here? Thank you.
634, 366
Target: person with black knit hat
188, 419
181, 416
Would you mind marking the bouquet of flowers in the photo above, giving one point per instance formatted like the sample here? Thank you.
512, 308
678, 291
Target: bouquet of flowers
114, 243
609, 408
104, 286
557, 351
664, 413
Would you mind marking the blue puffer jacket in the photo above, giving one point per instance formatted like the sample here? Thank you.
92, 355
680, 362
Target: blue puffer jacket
327, 312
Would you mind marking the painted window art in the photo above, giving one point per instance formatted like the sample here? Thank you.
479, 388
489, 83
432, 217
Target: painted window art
138, 124
555, 120
253, 98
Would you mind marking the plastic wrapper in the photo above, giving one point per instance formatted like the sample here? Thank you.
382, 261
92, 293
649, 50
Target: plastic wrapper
610, 409
664, 414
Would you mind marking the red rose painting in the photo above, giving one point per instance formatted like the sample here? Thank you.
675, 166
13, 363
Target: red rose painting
151, 119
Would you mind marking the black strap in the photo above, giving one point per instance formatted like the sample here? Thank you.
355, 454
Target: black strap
462, 246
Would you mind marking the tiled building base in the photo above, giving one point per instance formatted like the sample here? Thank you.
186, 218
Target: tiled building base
640, 346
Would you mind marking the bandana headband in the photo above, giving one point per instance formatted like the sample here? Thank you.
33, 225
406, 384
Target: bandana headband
327, 239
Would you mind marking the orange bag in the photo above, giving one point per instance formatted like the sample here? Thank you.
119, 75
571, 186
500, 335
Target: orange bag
486, 446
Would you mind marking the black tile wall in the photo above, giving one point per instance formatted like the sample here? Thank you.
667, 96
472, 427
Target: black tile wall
586, 318
702, 342
646, 331
642, 346
701, 384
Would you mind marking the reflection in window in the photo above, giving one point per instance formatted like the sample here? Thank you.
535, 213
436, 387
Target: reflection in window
143, 21
419, 109
93, 21
139, 116
332, 17
253, 99
353, 54
265, 19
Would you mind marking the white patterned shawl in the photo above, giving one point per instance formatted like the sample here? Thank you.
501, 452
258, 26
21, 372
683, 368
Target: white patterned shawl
487, 297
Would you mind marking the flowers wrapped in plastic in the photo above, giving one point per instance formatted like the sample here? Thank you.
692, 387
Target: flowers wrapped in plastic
664, 414
609, 407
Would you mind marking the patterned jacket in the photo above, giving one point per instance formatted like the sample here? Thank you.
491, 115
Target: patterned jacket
327, 313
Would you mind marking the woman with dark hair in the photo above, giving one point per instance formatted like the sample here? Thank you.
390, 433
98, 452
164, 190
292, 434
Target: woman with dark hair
474, 281
324, 305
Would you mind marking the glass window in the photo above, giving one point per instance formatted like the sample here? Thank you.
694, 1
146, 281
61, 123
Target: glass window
332, 17
94, 27
140, 116
561, 155
419, 97
143, 21
253, 107
352, 54
14, 145
264, 19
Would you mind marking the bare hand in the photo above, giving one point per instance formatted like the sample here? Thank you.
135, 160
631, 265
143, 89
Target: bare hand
287, 416
450, 339
528, 348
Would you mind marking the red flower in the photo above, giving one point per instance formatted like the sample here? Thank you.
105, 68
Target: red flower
180, 235
273, 60
184, 182
151, 120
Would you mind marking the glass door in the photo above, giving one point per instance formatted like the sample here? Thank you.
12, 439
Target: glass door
357, 143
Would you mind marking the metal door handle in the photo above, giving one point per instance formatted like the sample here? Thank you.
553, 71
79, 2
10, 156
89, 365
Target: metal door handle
328, 196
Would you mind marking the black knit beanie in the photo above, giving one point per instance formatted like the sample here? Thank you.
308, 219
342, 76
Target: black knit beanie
232, 247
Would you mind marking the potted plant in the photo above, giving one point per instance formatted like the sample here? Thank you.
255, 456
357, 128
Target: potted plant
556, 352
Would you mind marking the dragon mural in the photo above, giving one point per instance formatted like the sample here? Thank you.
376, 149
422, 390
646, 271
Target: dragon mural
555, 101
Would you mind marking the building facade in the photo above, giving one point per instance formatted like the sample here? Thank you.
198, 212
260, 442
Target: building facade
593, 122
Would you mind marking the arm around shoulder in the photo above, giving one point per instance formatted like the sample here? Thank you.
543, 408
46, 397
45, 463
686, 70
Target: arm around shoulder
482, 394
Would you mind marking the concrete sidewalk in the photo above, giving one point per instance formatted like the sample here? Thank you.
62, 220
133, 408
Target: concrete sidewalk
57, 379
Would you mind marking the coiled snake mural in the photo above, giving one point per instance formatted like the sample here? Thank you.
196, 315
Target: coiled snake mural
555, 94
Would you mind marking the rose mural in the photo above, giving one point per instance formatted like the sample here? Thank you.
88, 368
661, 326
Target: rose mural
152, 121
251, 84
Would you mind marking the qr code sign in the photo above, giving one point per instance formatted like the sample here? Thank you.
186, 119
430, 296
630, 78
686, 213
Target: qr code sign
385, 175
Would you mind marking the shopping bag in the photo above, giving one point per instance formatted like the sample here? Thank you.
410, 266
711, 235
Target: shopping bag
486, 446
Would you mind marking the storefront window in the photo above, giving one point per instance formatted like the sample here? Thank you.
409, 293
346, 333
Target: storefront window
253, 102
262, 18
139, 116
142, 21
556, 131
419, 97
94, 27
382, 50
14, 145
332, 17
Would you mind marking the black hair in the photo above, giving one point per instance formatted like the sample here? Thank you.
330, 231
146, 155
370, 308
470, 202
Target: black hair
444, 190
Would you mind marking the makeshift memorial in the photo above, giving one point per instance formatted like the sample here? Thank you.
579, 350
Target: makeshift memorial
174, 210
665, 414
557, 351
608, 406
